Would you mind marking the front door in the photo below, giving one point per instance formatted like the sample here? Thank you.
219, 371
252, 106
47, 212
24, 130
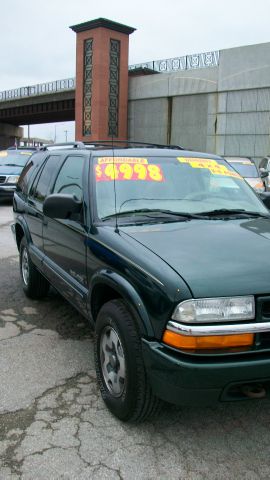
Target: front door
65, 240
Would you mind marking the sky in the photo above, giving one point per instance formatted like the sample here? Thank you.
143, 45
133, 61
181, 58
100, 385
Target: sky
37, 44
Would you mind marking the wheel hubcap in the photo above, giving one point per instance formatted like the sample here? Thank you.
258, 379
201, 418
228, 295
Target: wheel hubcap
112, 361
25, 266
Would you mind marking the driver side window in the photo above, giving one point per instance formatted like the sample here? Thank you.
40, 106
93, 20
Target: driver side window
69, 179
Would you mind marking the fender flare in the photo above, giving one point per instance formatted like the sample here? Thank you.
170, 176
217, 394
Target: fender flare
23, 224
128, 292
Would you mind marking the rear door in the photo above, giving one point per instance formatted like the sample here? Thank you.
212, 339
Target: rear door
35, 201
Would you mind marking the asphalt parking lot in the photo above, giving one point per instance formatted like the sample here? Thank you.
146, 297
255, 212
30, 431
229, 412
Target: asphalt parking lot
53, 424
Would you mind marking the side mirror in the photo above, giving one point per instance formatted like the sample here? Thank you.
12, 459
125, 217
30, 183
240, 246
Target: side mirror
263, 173
265, 197
61, 206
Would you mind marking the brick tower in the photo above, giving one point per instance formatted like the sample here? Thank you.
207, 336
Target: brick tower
101, 98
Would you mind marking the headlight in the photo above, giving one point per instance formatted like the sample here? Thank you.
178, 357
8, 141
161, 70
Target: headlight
12, 179
220, 309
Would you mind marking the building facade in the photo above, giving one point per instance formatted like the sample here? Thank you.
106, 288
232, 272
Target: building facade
223, 109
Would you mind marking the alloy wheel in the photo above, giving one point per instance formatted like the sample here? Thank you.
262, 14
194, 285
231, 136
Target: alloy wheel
113, 362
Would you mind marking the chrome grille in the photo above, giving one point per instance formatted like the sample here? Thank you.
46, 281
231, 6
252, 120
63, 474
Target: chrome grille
263, 315
266, 309
2, 178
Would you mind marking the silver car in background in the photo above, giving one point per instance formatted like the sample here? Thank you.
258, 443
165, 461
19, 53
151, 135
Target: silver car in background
256, 178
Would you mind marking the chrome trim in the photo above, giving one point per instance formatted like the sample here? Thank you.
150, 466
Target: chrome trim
205, 330
129, 261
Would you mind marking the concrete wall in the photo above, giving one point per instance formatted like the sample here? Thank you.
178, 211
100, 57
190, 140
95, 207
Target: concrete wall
223, 110
189, 127
148, 120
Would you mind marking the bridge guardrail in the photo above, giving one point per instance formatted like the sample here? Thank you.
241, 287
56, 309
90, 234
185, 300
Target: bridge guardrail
39, 89
187, 62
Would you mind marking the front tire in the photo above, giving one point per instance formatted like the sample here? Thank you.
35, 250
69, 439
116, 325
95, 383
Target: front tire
119, 364
34, 284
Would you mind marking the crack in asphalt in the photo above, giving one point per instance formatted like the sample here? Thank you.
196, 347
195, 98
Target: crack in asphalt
50, 412
27, 417
22, 315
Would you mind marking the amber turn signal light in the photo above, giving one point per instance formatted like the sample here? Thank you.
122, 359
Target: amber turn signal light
209, 342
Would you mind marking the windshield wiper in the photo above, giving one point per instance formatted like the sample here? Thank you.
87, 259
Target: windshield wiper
200, 215
233, 211
152, 210
10, 165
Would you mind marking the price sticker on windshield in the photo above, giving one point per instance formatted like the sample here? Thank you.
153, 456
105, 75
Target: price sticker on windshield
117, 160
212, 165
126, 171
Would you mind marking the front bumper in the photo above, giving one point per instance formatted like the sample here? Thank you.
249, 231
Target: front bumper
7, 191
194, 380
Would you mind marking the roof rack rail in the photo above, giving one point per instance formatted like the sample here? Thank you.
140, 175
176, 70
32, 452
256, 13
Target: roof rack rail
108, 143
66, 144
129, 143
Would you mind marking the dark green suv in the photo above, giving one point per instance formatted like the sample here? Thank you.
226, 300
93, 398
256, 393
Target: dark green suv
162, 250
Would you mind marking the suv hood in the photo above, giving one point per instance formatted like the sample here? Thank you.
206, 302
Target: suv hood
7, 170
215, 257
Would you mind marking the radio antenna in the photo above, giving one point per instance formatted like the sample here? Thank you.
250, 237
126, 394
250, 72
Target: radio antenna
114, 188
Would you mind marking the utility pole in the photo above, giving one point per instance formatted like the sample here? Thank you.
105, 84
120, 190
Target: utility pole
66, 132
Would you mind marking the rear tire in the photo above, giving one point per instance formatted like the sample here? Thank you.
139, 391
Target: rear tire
119, 364
34, 284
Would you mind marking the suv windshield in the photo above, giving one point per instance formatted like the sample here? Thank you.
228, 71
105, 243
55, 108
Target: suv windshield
176, 184
247, 170
14, 157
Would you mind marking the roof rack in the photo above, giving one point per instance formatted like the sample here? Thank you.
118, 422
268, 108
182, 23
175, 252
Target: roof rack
66, 144
129, 143
111, 143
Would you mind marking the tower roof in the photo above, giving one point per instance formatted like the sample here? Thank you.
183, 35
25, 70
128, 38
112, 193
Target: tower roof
102, 22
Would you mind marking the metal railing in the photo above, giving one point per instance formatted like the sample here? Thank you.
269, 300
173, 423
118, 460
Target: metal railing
187, 62
39, 89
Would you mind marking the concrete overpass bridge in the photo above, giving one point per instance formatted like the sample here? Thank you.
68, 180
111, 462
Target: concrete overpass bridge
42, 103
55, 101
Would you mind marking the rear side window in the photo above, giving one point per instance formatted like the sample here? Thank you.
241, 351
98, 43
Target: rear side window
70, 177
29, 171
42, 182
